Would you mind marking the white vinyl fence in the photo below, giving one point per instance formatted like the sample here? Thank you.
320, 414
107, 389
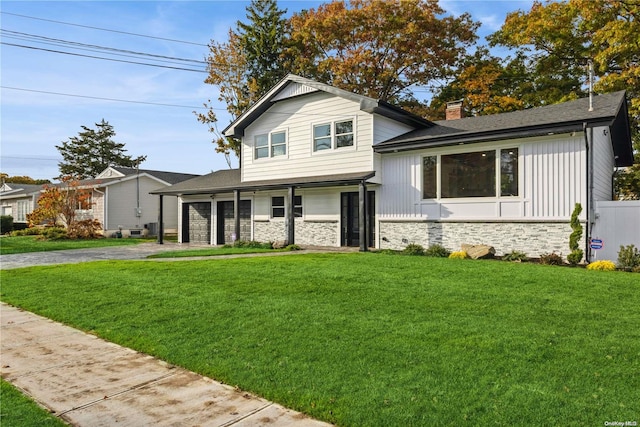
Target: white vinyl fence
617, 223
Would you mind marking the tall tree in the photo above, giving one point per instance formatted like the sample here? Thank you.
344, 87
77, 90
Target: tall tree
92, 151
247, 65
561, 37
378, 48
21, 179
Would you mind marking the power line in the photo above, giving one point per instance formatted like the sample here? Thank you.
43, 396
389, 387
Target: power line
103, 99
103, 58
77, 45
105, 29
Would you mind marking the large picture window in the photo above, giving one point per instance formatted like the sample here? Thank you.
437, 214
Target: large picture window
471, 174
334, 135
270, 145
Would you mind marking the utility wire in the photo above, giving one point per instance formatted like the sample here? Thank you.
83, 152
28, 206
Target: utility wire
60, 42
104, 29
103, 58
104, 99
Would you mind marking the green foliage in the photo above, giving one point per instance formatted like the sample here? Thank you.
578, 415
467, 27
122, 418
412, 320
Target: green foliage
20, 411
602, 265
30, 231
54, 233
437, 251
628, 257
22, 179
515, 256
6, 224
293, 247
250, 244
576, 254
413, 249
92, 151
551, 259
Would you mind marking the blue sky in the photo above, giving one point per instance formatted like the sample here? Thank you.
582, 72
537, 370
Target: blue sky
33, 120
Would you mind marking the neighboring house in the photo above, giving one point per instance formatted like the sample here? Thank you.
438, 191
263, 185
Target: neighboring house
120, 200
323, 166
18, 200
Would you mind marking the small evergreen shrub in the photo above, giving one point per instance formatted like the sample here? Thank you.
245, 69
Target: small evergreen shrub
30, 231
628, 257
603, 265
413, 249
437, 251
515, 256
6, 224
293, 247
459, 255
54, 233
251, 244
575, 256
551, 259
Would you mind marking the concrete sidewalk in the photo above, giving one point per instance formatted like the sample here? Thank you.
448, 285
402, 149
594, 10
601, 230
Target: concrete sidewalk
87, 381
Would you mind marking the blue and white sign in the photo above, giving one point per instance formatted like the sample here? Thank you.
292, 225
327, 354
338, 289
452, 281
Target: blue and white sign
596, 244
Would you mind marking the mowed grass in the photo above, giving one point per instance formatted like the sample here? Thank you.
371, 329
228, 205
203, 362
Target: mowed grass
23, 244
16, 410
371, 339
211, 252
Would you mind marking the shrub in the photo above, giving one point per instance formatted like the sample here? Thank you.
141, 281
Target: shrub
603, 265
252, 244
413, 249
6, 224
293, 247
387, 252
438, 251
30, 231
54, 233
458, 255
575, 256
551, 259
515, 256
85, 229
628, 257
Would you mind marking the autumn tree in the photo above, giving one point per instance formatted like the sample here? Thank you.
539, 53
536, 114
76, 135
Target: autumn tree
380, 49
246, 66
22, 179
562, 37
92, 151
58, 204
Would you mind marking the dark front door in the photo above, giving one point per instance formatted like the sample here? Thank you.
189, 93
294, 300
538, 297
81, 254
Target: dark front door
226, 225
196, 222
350, 218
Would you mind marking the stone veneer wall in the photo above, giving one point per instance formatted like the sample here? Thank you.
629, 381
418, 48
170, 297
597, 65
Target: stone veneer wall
528, 237
315, 233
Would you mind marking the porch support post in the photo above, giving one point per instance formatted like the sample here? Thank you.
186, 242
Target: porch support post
236, 212
362, 216
161, 221
291, 218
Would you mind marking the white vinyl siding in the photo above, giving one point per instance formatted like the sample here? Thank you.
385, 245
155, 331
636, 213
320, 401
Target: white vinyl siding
551, 179
297, 115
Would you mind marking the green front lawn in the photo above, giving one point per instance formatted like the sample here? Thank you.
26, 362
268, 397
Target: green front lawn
17, 410
22, 244
368, 339
186, 253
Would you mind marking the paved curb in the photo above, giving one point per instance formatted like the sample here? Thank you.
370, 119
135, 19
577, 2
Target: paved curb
87, 381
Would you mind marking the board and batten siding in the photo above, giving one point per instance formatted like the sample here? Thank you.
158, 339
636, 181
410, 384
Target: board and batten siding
552, 178
297, 116
603, 164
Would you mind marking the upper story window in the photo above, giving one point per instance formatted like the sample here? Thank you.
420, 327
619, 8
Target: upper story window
333, 135
270, 145
471, 174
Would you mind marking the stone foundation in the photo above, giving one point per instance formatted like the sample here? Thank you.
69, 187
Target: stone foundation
531, 238
316, 233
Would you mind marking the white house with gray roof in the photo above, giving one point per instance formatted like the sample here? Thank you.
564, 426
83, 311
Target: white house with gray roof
323, 166
18, 200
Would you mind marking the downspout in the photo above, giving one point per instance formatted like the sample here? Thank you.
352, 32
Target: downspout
588, 140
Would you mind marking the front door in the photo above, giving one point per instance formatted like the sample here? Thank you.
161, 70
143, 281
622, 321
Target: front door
226, 224
350, 218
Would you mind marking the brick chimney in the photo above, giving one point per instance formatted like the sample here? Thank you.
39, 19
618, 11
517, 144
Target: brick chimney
454, 110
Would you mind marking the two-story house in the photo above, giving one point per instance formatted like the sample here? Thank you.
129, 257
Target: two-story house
323, 166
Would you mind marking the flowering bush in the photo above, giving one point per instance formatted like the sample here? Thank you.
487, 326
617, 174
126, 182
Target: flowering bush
459, 255
603, 265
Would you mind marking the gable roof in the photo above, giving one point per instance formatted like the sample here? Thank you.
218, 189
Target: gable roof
608, 110
170, 177
15, 190
305, 86
115, 174
228, 180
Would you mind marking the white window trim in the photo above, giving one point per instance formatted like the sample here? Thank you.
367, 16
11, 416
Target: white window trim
498, 179
334, 148
269, 145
